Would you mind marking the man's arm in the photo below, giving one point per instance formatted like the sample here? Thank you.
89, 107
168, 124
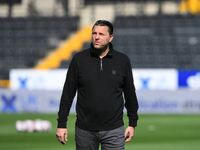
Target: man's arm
131, 103
68, 94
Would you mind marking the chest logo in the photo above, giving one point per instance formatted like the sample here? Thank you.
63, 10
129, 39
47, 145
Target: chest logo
114, 72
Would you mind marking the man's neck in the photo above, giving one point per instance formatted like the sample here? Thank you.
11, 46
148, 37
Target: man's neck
103, 54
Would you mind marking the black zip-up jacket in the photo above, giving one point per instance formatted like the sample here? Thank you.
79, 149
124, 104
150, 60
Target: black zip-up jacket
100, 84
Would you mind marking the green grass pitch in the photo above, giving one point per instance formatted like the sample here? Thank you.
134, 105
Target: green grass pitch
154, 132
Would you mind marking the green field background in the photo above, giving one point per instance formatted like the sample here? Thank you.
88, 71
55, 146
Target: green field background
154, 132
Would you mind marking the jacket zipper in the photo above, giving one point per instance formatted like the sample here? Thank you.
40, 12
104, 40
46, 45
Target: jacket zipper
101, 65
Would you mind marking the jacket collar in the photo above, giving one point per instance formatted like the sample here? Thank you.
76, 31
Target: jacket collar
94, 54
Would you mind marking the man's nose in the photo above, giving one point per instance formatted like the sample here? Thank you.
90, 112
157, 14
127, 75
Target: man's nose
97, 36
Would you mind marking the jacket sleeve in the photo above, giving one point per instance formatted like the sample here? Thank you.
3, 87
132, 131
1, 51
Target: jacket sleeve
131, 102
68, 94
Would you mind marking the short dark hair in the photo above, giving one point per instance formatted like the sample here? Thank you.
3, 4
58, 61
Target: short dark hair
104, 23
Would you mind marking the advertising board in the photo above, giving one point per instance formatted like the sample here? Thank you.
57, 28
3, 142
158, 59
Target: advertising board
189, 79
155, 79
31, 79
150, 101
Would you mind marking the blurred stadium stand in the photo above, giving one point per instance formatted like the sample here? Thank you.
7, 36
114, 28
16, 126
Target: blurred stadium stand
163, 41
154, 33
26, 40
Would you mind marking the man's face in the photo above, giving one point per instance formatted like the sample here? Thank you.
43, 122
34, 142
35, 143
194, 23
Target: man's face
101, 37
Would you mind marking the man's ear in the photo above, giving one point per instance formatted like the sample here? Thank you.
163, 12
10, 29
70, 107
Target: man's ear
111, 37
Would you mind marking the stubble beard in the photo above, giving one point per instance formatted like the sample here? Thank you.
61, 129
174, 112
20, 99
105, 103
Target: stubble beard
101, 49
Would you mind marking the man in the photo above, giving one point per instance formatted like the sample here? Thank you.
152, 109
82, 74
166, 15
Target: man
101, 76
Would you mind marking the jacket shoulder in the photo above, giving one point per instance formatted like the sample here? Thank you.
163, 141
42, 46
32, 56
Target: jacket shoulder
82, 53
120, 55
